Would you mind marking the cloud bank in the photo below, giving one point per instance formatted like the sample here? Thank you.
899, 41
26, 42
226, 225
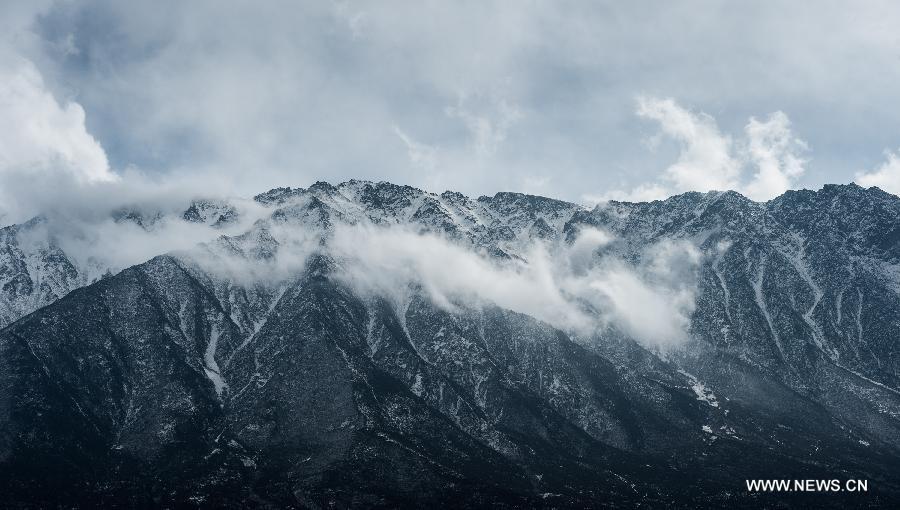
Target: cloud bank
488, 96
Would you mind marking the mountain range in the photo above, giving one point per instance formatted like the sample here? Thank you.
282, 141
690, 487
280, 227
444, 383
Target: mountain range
374, 345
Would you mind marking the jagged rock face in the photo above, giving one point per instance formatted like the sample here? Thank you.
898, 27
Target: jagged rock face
803, 287
215, 213
171, 384
34, 270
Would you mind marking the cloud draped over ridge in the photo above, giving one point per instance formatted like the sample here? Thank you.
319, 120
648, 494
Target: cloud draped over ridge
582, 287
710, 160
572, 287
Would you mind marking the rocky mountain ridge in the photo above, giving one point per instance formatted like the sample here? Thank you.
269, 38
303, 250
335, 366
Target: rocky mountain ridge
170, 383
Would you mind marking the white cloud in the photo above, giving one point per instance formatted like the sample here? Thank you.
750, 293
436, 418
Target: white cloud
886, 176
709, 160
388, 261
96, 242
654, 316
705, 161
775, 152
237, 259
42, 135
573, 287
44, 144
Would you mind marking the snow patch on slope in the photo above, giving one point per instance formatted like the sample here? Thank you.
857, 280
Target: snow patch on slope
212, 367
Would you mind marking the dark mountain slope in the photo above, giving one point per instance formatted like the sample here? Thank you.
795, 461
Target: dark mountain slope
336, 399
177, 383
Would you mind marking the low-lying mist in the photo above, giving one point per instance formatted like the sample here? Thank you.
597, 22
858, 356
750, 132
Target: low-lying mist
98, 240
580, 287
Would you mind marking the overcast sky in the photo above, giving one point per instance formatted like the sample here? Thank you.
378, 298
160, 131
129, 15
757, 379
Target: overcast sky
579, 100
